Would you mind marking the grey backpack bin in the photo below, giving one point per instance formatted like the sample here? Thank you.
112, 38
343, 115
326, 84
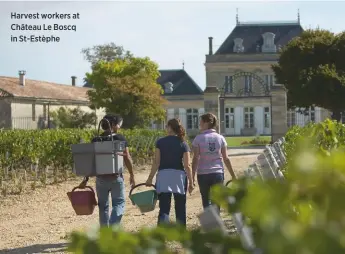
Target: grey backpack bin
98, 158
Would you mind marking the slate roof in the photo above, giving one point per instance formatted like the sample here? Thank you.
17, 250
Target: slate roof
183, 84
251, 33
42, 90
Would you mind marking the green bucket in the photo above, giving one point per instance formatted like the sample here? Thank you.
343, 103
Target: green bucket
145, 200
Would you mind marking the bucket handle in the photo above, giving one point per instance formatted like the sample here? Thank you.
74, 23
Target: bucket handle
111, 135
138, 185
109, 125
228, 182
88, 187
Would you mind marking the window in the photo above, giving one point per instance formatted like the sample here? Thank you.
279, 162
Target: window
268, 44
168, 87
267, 118
269, 39
228, 84
192, 119
238, 45
272, 80
229, 118
249, 117
248, 84
269, 80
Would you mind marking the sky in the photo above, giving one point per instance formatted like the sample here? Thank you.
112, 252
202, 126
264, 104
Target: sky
168, 32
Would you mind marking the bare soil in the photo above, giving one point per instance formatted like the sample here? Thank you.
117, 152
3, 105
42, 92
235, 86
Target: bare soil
39, 221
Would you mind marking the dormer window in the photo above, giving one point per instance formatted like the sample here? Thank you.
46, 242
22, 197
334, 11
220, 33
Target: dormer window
238, 45
268, 45
168, 87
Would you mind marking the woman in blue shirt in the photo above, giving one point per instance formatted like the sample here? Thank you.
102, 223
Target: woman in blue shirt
172, 161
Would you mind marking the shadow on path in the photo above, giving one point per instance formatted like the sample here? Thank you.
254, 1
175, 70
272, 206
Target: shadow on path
244, 154
38, 248
248, 147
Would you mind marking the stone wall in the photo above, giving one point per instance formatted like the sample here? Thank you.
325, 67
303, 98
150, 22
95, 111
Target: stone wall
278, 111
5, 113
33, 114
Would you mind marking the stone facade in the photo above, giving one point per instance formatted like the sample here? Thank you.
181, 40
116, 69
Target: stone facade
211, 102
279, 112
240, 83
237, 99
34, 114
27, 104
5, 113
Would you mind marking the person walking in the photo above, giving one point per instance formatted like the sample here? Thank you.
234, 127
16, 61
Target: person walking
172, 161
112, 183
209, 148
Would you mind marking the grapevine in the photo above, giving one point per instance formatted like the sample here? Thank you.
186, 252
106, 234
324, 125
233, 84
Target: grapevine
42, 157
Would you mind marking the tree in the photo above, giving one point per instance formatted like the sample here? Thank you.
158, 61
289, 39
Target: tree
73, 118
128, 87
312, 68
107, 52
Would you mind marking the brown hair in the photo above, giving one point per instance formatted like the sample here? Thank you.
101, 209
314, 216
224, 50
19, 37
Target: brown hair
176, 126
211, 119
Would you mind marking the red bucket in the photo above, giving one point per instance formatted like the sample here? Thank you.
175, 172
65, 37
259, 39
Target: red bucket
83, 202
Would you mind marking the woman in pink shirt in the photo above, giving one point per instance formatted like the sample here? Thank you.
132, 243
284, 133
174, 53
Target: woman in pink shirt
209, 152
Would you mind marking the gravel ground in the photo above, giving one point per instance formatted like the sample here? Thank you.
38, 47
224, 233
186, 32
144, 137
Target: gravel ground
39, 221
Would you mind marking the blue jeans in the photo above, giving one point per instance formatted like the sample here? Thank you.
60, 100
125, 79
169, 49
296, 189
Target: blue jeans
205, 183
116, 187
165, 204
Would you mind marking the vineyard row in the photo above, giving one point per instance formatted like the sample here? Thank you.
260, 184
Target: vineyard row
44, 156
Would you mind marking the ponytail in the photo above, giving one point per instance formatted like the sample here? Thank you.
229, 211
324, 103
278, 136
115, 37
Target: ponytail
176, 125
210, 119
181, 132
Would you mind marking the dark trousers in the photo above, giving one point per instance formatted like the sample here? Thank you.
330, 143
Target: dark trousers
205, 183
165, 204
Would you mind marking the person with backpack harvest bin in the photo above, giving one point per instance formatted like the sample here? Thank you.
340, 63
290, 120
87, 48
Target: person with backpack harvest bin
172, 161
209, 148
112, 183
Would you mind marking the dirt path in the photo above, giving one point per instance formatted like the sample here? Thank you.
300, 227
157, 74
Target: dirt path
39, 222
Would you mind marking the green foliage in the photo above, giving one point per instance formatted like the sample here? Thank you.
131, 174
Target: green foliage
305, 214
22, 148
255, 141
154, 240
319, 138
312, 69
107, 52
73, 118
128, 87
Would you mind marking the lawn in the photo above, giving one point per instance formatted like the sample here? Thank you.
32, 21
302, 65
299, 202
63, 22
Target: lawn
247, 141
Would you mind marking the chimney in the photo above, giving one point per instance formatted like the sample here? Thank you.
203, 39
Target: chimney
74, 78
22, 78
210, 46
